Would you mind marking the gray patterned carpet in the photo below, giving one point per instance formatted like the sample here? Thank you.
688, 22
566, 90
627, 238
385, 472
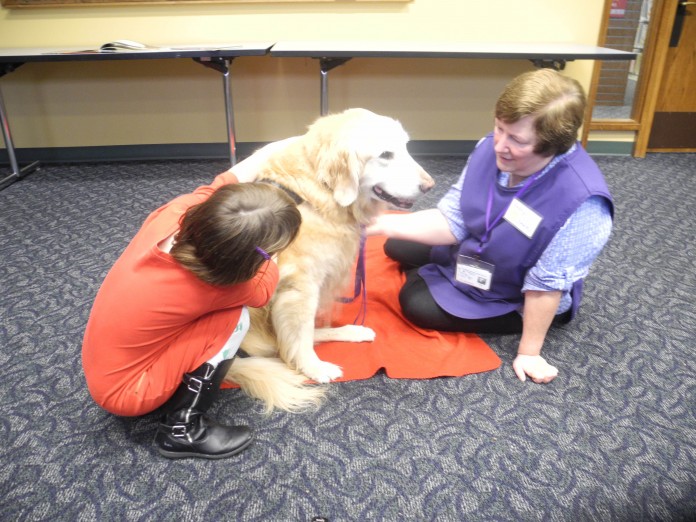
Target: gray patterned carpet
613, 438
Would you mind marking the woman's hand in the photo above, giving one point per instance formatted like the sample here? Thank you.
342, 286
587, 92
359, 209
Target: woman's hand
377, 226
539, 311
534, 366
429, 227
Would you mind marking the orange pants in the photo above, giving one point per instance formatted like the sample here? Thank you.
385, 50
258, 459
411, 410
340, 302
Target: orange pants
127, 383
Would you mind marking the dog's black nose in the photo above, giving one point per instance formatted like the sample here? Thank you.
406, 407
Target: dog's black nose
425, 187
426, 182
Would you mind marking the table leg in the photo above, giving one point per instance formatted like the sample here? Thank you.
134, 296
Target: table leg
325, 65
222, 65
16, 173
231, 138
324, 103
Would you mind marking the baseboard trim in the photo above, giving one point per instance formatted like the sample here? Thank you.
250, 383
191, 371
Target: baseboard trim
610, 148
220, 151
149, 152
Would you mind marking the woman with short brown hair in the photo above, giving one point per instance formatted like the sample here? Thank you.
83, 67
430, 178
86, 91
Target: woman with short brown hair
508, 247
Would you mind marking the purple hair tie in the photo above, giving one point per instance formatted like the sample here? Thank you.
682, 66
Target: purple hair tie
263, 253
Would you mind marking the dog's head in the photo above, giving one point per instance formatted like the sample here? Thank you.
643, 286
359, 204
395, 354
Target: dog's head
362, 157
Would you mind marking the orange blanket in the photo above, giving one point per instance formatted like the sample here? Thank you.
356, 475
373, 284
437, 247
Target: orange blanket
404, 351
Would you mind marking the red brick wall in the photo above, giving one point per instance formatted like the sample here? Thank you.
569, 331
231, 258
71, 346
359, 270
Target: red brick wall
621, 34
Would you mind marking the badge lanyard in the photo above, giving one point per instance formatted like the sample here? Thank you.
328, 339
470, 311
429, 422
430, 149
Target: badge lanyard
473, 271
489, 207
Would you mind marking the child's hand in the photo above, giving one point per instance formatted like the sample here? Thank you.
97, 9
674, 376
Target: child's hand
247, 170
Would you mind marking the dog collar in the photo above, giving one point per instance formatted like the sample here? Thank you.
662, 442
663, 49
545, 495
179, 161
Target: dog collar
294, 195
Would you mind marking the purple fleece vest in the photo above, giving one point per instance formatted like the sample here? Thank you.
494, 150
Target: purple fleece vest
555, 196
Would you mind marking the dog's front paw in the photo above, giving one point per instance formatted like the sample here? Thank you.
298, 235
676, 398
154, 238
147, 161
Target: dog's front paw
323, 372
350, 333
359, 334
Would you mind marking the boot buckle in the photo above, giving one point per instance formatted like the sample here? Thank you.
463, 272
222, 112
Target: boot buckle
179, 430
194, 384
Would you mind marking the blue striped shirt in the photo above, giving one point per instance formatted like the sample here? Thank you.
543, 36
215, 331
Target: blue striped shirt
570, 253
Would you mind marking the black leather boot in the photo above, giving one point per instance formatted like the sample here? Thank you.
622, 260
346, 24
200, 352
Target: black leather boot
187, 432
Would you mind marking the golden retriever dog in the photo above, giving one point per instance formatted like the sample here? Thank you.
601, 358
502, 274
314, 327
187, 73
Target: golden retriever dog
345, 170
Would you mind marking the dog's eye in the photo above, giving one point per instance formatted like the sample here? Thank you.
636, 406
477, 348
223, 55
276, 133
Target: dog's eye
387, 155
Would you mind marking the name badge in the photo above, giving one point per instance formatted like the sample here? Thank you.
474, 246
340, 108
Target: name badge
523, 218
474, 272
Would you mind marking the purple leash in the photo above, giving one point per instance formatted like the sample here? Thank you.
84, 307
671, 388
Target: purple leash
360, 288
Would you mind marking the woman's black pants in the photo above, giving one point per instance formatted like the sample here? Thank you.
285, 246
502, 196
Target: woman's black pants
419, 307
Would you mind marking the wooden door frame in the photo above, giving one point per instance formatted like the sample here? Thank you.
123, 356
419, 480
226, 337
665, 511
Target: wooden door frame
650, 77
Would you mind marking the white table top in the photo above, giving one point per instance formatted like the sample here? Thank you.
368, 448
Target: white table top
85, 53
326, 49
411, 49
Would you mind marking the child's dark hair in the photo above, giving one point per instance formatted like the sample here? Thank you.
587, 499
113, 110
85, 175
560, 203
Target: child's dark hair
218, 239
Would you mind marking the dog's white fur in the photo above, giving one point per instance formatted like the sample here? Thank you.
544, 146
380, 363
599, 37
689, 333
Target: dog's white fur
343, 168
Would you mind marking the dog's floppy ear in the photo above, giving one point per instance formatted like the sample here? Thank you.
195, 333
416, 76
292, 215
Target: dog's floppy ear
344, 173
338, 167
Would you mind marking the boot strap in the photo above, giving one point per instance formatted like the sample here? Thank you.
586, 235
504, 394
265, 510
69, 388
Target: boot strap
178, 430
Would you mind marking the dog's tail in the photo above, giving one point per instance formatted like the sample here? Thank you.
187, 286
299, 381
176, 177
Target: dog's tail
272, 382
